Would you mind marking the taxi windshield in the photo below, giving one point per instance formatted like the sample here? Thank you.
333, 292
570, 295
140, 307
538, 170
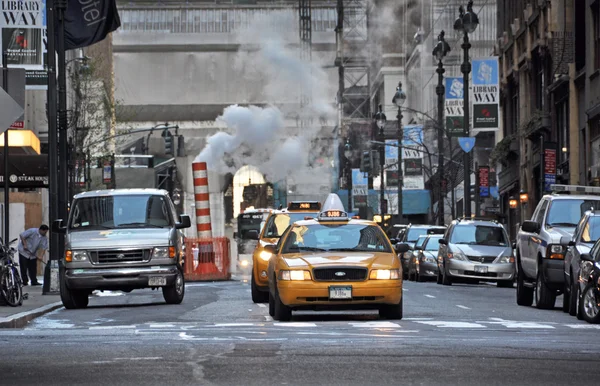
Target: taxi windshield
278, 223
338, 237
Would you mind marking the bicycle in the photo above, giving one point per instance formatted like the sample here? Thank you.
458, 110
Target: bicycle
11, 285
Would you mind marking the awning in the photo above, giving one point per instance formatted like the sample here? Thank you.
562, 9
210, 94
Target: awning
22, 142
26, 171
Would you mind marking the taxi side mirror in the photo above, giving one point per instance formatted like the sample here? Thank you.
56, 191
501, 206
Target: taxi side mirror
402, 248
272, 248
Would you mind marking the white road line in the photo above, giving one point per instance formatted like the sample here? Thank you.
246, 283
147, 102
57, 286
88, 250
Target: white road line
452, 324
268, 318
161, 325
430, 296
233, 324
584, 326
249, 309
295, 324
138, 359
262, 305
415, 319
463, 307
375, 325
111, 327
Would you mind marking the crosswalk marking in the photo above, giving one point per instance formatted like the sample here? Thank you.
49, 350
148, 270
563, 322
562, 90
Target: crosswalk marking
584, 326
463, 307
430, 296
445, 324
295, 324
375, 325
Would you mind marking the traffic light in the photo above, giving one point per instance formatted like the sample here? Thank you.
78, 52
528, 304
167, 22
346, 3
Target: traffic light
376, 168
366, 162
168, 137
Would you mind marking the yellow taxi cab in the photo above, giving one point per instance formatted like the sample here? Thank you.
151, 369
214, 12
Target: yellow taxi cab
277, 222
334, 262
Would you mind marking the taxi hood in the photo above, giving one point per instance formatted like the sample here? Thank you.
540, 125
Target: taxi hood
118, 238
353, 259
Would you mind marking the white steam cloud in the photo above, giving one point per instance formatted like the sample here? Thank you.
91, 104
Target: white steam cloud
258, 136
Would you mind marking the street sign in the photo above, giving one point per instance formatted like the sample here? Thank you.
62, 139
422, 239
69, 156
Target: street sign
467, 143
10, 111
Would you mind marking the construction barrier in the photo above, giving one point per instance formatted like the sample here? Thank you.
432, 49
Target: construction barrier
207, 259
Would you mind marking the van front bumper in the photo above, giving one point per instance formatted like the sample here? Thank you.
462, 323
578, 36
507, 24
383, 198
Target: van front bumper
117, 278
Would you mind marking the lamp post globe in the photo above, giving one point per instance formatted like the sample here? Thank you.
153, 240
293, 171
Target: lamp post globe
400, 96
470, 19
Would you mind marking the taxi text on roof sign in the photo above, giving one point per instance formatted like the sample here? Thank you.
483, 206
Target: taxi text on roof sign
304, 205
333, 209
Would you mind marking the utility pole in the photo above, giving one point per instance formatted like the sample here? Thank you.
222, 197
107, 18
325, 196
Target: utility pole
440, 51
6, 148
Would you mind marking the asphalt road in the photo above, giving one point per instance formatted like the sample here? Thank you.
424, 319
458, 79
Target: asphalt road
458, 335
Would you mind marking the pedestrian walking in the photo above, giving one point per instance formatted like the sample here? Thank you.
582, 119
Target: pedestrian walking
30, 243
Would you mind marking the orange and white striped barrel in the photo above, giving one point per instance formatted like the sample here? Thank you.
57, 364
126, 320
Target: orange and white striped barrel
201, 197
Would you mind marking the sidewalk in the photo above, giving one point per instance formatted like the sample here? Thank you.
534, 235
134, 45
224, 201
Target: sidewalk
35, 305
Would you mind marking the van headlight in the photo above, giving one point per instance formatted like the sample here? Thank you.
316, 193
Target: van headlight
163, 252
71, 256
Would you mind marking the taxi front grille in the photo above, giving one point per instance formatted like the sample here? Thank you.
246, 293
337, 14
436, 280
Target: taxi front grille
124, 256
482, 259
340, 274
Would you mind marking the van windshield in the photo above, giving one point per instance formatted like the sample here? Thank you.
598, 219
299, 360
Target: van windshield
112, 212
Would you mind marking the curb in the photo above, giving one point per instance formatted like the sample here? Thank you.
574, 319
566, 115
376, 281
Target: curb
20, 320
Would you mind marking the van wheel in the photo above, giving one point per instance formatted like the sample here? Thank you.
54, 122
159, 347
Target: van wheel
72, 299
544, 296
174, 293
257, 295
524, 294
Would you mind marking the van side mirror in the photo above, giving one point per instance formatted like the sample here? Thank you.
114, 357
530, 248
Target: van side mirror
57, 227
402, 248
586, 257
252, 234
272, 248
443, 242
530, 227
184, 222
566, 241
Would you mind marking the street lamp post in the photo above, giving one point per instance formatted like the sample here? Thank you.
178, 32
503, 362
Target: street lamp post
466, 23
348, 155
380, 120
398, 100
440, 51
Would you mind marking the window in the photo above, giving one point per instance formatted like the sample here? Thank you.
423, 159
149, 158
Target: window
472, 234
539, 83
278, 223
341, 238
591, 230
111, 212
538, 216
420, 241
567, 212
596, 36
433, 244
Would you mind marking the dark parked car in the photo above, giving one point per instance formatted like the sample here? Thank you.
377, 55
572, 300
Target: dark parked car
584, 237
588, 290
423, 263
411, 236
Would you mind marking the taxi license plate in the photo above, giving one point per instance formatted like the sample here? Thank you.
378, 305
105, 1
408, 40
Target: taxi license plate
340, 293
481, 268
157, 281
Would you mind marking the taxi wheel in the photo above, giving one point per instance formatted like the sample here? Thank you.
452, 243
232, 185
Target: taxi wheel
281, 312
257, 295
271, 305
392, 311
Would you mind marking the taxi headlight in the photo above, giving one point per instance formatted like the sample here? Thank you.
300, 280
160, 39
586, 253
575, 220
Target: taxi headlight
385, 274
76, 256
265, 255
294, 275
163, 252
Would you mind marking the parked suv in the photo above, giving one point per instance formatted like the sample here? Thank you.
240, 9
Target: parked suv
586, 234
122, 240
475, 250
540, 254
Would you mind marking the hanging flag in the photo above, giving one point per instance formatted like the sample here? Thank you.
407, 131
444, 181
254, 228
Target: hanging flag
88, 22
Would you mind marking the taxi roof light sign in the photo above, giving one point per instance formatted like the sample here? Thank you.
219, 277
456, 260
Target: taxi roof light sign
304, 206
333, 209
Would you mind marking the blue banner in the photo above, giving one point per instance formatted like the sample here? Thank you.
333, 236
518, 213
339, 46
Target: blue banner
455, 88
485, 71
